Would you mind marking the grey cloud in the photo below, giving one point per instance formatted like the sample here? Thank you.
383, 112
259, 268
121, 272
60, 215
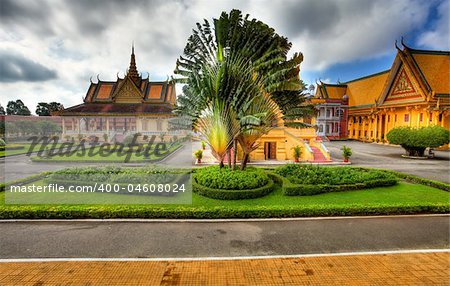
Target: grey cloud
15, 68
36, 15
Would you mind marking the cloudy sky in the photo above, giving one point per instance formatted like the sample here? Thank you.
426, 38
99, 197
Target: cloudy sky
50, 49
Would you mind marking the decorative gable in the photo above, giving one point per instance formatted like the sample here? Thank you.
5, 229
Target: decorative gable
403, 89
402, 85
127, 92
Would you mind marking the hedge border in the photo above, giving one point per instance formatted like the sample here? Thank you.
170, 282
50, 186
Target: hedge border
181, 178
41, 160
52, 212
222, 194
290, 189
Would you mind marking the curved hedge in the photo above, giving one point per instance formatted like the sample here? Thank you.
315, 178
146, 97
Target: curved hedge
215, 177
289, 188
223, 194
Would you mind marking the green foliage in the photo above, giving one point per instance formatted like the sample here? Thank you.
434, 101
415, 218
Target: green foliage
308, 174
17, 108
2, 143
311, 180
203, 144
239, 65
238, 194
226, 179
416, 140
45, 109
346, 152
198, 154
297, 151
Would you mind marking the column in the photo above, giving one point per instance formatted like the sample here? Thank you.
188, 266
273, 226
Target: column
107, 125
63, 126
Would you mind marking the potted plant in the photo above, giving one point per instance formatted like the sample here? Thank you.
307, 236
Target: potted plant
346, 153
203, 145
198, 155
297, 153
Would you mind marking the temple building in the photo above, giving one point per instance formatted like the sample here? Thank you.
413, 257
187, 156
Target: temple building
414, 92
119, 108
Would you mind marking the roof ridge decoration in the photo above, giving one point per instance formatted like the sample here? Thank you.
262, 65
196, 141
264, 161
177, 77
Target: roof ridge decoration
401, 66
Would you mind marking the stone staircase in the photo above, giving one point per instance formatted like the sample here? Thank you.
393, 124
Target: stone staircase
318, 155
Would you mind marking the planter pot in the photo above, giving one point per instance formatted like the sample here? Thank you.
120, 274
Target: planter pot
296, 160
345, 160
204, 148
199, 161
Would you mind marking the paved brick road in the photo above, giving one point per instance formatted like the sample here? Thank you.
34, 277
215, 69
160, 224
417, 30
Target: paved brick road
386, 269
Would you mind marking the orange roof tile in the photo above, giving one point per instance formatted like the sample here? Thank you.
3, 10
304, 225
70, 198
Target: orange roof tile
155, 91
104, 91
366, 90
436, 70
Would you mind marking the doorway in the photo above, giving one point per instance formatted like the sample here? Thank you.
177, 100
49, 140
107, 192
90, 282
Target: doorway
270, 150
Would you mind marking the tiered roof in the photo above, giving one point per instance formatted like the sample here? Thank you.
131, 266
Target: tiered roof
430, 71
130, 95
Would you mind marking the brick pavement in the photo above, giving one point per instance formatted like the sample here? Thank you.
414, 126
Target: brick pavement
380, 269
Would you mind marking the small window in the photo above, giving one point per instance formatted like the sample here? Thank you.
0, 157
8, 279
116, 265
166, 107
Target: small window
389, 118
440, 117
421, 117
431, 117
406, 119
395, 118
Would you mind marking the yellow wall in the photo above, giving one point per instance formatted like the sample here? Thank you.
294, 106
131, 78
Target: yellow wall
371, 128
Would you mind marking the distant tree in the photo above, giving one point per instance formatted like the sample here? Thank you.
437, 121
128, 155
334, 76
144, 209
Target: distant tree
48, 127
17, 108
416, 140
2, 110
45, 109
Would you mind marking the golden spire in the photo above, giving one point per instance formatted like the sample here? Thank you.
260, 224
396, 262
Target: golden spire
132, 71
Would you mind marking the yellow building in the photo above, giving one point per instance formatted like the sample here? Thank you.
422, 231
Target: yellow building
414, 92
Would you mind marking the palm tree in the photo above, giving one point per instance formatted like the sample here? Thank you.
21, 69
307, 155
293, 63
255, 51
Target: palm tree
230, 64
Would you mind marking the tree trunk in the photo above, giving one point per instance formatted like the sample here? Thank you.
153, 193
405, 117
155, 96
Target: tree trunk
244, 161
221, 163
229, 158
234, 153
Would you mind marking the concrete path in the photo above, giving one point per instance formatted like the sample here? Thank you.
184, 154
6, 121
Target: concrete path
98, 239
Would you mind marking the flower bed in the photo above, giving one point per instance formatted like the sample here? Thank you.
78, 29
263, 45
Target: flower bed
311, 180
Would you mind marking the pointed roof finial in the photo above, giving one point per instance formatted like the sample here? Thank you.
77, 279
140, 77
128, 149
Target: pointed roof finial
132, 70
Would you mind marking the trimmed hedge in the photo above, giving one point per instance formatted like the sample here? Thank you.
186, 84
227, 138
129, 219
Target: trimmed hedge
75, 212
215, 177
422, 181
291, 189
222, 194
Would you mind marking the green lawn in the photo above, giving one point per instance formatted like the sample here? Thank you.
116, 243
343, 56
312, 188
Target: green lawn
112, 157
404, 198
24, 150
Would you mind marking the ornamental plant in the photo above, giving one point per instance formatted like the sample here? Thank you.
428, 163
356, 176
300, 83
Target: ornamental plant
416, 140
199, 155
297, 152
346, 152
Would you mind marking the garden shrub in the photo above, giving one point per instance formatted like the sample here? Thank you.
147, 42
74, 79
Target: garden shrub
300, 180
223, 178
223, 194
416, 140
